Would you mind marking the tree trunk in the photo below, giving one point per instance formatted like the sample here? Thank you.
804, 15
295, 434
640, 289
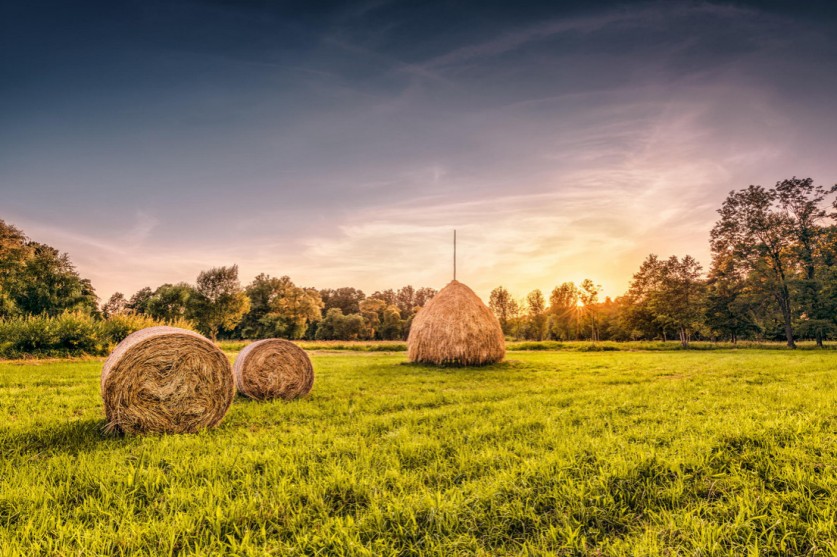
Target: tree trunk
819, 338
684, 340
786, 316
783, 297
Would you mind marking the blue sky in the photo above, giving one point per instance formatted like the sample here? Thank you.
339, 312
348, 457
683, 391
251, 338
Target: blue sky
342, 143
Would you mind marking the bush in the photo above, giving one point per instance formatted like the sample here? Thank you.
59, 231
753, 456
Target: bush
69, 334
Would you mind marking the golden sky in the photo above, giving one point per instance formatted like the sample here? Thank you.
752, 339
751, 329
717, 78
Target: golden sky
342, 147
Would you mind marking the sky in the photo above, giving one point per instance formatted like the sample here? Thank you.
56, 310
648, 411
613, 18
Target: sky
342, 143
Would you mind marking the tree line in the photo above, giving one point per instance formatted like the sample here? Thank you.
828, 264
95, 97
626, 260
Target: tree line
271, 307
773, 276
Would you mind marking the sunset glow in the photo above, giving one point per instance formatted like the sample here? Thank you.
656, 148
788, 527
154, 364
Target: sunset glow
342, 147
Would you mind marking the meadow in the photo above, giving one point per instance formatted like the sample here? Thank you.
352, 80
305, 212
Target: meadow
722, 452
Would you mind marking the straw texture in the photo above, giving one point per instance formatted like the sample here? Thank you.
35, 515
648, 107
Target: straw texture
456, 328
273, 368
166, 380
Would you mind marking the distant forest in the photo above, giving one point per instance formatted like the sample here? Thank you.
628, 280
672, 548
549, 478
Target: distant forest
773, 276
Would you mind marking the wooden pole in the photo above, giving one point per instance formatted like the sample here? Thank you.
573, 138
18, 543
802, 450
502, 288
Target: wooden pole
454, 254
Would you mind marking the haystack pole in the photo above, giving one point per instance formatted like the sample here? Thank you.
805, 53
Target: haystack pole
456, 328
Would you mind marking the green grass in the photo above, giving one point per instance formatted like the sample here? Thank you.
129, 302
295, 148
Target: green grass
233, 346
551, 453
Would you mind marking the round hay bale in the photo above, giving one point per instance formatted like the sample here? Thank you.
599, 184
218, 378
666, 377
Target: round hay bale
273, 368
456, 328
166, 380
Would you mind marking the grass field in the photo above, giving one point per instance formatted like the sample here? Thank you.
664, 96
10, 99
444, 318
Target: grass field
550, 453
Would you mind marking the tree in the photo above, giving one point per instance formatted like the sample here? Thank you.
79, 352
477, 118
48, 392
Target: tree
13, 254
49, 284
405, 300
139, 301
536, 315
730, 310
681, 301
346, 299
424, 295
261, 292
336, 326
504, 307
388, 296
293, 310
773, 235
382, 320
757, 237
279, 308
391, 324
116, 305
802, 202
563, 312
588, 295
667, 295
218, 301
170, 302
38, 279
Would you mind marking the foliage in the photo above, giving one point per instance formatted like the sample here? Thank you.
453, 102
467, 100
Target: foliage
668, 294
170, 301
676, 453
116, 305
774, 236
536, 316
382, 320
279, 308
345, 299
36, 278
505, 307
139, 301
563, 312
70, 334
218, 300
336, 326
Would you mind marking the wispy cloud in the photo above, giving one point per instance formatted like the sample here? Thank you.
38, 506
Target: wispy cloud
345, 152
647, 15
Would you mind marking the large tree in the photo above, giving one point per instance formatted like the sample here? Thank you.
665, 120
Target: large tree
279, 308
218, 301
667, 295
38, 279
50, 284
730, 307
774, 235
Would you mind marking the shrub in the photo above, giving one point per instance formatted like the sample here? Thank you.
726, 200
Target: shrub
70, 334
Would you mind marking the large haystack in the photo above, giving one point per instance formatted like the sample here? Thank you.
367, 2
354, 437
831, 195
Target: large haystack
166, 380
456, 328
273, 368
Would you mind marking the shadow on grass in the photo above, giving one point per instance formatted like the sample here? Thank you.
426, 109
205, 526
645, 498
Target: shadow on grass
70, 438
505, 365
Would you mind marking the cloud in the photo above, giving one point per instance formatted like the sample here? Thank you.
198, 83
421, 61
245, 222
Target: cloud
654, 14
144, 225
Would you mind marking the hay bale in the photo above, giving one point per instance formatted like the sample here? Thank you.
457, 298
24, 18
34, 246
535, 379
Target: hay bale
456, 328
273, 368
166, 380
